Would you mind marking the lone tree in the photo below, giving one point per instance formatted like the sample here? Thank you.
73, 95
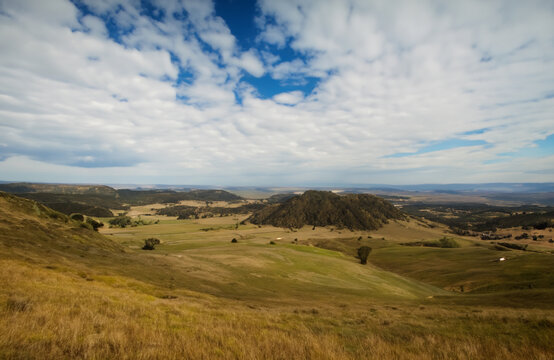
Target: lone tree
363, 253
234, 240
150, 243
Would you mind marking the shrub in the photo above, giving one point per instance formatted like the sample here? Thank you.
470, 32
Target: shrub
150, 243
272, 242
77, 217
234, 240
542, 225
448, 243
95, 224
363, 253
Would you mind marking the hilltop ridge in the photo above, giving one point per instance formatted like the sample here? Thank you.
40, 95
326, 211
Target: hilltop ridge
325, 208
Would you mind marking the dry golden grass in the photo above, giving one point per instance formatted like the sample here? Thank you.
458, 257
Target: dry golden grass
53, 315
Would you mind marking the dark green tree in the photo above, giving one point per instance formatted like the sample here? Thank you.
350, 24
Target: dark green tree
363, 253
150, 243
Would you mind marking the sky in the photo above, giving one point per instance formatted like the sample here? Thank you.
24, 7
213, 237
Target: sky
276, 92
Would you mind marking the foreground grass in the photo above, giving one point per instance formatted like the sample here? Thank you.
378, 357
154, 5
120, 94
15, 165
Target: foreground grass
60, 315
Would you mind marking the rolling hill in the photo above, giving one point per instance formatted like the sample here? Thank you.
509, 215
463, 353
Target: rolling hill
324, 208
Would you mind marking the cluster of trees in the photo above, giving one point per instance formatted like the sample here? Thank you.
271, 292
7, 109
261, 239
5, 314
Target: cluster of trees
513, 246
187, 212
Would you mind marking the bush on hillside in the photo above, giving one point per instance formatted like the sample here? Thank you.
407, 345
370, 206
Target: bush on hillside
363, 253
95, 224
448, 243
77, 217
150, 243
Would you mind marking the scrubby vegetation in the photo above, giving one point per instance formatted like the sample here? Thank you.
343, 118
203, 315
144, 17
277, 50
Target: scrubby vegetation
513, 246
444, 242
188, 212
322, 208
120, 221
95, 224
150, 243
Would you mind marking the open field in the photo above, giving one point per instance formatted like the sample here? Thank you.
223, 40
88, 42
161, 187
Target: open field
68, 292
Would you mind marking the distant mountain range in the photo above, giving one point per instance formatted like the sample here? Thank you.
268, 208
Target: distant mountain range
448, 188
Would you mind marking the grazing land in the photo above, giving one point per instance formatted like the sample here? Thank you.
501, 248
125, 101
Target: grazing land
68, 291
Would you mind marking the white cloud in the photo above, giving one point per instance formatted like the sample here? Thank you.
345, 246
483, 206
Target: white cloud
393, 77
289, 98
250, 62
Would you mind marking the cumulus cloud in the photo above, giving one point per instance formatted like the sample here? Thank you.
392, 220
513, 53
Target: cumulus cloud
289, 98
106, 90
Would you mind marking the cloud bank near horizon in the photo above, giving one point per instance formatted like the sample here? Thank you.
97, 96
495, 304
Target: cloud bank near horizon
332, 92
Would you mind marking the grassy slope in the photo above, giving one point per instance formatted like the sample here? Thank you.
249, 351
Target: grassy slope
66, 292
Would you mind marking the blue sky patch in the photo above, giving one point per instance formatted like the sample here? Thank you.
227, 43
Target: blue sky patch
268, 87
441, 145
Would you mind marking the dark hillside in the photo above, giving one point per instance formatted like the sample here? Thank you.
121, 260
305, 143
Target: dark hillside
323, 208
279, 198
97, 202
482, 217
27, 227
143, 197
88, 204
57, 188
